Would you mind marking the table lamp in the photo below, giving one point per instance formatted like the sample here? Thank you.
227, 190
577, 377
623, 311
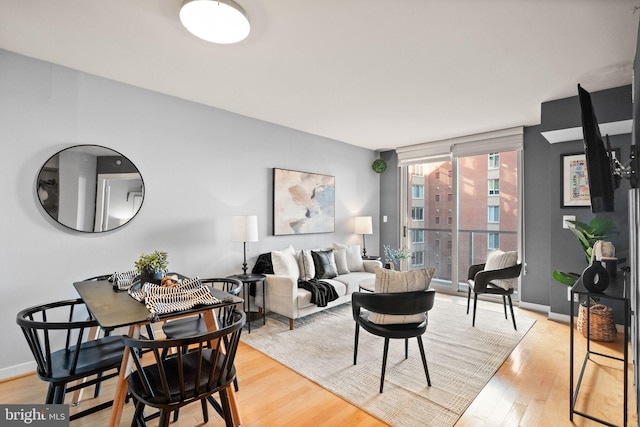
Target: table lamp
245, 229
363, 226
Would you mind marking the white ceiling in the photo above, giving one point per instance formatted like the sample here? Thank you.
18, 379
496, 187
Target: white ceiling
372, 73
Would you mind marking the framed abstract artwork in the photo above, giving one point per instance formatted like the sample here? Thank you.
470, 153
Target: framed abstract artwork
303, 202
575, 181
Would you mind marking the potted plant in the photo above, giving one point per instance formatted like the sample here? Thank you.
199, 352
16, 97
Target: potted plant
588, 234
396, 256
152, 266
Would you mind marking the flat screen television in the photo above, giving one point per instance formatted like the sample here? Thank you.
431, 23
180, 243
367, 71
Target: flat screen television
598, 158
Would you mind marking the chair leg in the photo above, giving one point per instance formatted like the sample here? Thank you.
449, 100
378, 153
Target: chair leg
205, 411
406, 348
424, 360
475, 303
51, 391
226, 407
384, 362
58, 394
504, 304
468, 298
216, 406
165, 417
138, 416
512, 316
355, 346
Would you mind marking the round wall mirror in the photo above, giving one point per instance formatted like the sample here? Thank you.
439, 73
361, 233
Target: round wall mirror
90, 188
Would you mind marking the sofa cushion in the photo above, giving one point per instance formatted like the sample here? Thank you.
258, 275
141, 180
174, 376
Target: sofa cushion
352, 280
341, 260
325, 264
304, 296
354, 257
391, 281
307, 268
498, 260
285, 263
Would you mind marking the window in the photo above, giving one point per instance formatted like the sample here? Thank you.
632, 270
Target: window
493, 214
437, 220
417, 236
494, 161
417, 213
417, 258
436, 244
493, 240
418, 170
494, 187
449, 220
437, 175
449, 197
417, 191
437, 197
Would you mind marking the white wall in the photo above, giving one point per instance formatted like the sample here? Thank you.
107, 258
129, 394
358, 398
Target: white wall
200, 166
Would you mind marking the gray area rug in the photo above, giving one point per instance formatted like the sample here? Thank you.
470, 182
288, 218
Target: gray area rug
461, 360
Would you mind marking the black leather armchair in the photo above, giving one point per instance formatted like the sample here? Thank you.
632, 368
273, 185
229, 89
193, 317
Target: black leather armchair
480, 282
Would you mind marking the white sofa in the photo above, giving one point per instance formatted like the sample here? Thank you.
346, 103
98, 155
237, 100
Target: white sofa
284, 297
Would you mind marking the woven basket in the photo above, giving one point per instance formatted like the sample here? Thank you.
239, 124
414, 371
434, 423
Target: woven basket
603, 328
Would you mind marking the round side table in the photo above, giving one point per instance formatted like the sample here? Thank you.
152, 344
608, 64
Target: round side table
247, 280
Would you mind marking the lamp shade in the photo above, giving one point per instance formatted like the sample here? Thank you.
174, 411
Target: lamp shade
363, 225
216, 21
245, 228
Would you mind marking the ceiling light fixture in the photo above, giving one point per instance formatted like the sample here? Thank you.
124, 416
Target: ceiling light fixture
216, 21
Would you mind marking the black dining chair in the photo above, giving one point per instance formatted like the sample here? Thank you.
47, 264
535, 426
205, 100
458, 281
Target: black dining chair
402, 303
195, 325
171, 382
76, 358
481, 282
189, 326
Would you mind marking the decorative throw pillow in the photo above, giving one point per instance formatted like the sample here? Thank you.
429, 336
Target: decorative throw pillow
341, 260
285, 264
305, 261
499, 259
325, 264
354, 257
392, 281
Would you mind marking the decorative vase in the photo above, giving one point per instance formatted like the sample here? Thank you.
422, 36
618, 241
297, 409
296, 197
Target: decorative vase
595, 278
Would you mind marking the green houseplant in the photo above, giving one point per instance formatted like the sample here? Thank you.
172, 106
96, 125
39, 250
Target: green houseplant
153, 265
587, 234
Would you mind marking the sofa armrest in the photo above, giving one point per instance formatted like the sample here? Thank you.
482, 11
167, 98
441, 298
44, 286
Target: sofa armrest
282, 295
370, 265
281, 285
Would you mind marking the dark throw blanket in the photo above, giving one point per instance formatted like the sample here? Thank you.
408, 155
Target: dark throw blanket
322, 293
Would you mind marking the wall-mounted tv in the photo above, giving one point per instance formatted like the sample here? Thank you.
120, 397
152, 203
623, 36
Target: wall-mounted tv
599, 168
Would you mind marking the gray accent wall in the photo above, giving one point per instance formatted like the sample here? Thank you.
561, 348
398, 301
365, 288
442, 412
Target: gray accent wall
200, 166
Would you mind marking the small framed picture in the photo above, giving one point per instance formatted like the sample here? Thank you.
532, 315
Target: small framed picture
575, 181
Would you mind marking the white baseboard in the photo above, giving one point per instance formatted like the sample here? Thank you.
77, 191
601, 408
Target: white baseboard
16, 370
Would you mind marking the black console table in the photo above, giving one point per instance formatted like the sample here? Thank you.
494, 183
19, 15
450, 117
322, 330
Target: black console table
615, 292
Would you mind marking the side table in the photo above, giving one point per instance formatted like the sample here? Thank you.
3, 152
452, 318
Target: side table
247, 280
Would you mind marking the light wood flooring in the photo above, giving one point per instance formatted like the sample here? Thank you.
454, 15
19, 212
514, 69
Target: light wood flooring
530, 389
